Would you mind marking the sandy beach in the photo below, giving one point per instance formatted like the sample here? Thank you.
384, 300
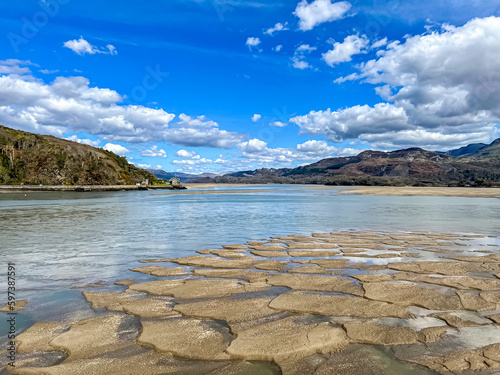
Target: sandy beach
212, 186
319, 304
424, 191
381, 190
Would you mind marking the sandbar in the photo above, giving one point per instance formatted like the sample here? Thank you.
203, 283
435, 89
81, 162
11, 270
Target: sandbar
424, 191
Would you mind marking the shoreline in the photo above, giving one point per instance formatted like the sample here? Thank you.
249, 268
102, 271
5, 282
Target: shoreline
78, 188
215, 192
473, 192
352, 190
214, 185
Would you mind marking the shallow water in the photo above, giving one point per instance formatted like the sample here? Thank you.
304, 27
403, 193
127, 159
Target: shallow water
61, 240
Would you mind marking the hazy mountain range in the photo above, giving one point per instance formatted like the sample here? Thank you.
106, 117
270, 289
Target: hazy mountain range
184, 177
27, 158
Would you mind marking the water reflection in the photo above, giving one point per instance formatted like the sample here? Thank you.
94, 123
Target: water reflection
59, 240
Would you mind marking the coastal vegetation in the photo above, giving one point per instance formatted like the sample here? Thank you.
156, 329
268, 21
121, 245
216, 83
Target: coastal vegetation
33, 159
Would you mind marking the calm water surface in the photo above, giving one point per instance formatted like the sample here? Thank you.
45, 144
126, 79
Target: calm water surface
61, 240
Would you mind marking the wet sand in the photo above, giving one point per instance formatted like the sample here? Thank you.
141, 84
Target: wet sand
212, 186
375, 190
424, 191
215, 192
329, 303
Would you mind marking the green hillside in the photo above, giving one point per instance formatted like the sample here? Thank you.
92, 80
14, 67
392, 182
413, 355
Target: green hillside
32, 159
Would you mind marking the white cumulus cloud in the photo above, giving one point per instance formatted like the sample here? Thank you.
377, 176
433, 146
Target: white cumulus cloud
443, 87
199, 122
342, 52
154, 152
320, 11
199, 132
252, 42
257, 151
196, 164
305, 48
353, 122
298, 59
89, 142
300, 64
14, 66
184, 154
71, 105
278, 27
379, 43
256, 117
82, 46
279, 124
117, 149
252, 146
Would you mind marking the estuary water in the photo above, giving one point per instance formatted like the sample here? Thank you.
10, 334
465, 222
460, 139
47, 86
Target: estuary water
61, 241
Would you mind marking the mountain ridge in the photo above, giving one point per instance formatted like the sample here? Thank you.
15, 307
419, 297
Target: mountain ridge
183, 177
466, 150
32, 159
475, 166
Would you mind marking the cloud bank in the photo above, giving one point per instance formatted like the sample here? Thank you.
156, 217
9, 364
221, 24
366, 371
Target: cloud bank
442, 89
71, 105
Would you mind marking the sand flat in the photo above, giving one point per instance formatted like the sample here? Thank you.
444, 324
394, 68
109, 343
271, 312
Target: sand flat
294, 315
424, 191
212, 186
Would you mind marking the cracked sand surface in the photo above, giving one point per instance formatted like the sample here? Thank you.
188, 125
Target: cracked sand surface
317, 283
161, 271
196, 288
133, 304
437, 309
187, 338
290, 336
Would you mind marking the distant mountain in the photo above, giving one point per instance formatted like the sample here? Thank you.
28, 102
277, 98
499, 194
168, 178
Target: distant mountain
478, 150
489, 151
413, 166
466, 150
184, 177
27, 158
161, 174
32, 159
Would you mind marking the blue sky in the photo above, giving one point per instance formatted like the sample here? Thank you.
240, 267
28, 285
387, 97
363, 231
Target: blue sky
223, 85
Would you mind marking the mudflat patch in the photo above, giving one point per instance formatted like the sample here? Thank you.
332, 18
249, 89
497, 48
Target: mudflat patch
188, 338
290, 336
350, 303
